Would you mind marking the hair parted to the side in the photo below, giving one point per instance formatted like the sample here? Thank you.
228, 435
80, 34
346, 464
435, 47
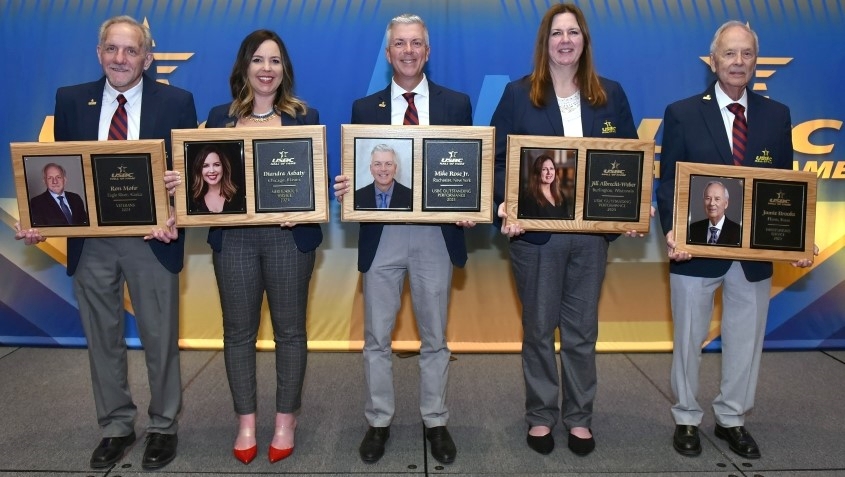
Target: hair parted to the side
198, 184
406, 19
146, 36
586, 77
242, 94
534, 181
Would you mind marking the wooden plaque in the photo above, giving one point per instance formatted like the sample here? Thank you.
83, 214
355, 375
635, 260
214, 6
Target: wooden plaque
441, 174
775, 210
605, 184
275, 175
110, 188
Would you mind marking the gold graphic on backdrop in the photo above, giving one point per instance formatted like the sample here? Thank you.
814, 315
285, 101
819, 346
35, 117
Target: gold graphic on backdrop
165, 69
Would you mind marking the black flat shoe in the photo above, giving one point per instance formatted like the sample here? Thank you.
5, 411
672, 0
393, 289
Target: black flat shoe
160, 451
542, 444
110, 450
581, 446
372, 447
686, 440
442, 446
739, 441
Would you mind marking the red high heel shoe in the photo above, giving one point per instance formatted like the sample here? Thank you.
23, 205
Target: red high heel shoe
275, 454
246, 455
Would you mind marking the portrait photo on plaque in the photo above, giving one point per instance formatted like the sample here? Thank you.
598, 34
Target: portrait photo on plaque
284, 175
215, 182
451, 175
715, 211
384, 174
55, 187
123, 189
547, 180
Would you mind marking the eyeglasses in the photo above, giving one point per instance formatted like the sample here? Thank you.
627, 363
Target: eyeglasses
402, 44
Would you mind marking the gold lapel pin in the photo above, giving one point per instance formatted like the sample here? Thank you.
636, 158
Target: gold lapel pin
92, 102
382, 105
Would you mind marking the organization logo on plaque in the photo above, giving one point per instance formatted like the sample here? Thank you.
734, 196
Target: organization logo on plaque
123, 189
613, 186
779, 221
284, 175
451, 173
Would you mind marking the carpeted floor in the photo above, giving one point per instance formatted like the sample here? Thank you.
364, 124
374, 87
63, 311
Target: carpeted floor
48, 427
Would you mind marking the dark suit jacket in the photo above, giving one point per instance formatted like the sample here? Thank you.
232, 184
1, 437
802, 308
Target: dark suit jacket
731, 234
306, 236
365, 197
515, 114
693, 131
44, 210
446, 108
77, 118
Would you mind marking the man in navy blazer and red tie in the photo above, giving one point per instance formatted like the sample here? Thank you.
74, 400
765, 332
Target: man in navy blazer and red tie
425, 253
701, 129
101, 266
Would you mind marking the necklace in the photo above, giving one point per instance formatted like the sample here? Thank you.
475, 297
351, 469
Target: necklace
263, 118
570, 103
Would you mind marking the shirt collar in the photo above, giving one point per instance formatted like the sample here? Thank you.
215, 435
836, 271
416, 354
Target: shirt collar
132, 95
724, 100
421, 89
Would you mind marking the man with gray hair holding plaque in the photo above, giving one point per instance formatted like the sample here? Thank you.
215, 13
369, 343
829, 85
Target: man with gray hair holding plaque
425, 253
127, 104
727, 124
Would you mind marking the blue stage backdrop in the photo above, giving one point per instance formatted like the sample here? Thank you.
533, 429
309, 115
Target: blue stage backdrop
656, 48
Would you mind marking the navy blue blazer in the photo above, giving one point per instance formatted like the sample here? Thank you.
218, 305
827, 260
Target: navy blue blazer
165, 107
44, 210
515, 114
365, 197
446, 108
306, 236
693, 131
731, 234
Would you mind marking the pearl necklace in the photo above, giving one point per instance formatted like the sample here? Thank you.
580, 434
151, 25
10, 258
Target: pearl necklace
569, 103
263, 118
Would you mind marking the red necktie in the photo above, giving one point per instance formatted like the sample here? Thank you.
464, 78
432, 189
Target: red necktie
739, 132
411, 116
119, 128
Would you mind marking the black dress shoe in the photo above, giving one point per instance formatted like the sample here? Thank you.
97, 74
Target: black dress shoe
739, 441
686, 440
110, 450
372, 447
581, 446
442, 446
542, 444
160, 451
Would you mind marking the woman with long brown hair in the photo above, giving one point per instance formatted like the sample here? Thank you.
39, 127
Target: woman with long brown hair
559, 275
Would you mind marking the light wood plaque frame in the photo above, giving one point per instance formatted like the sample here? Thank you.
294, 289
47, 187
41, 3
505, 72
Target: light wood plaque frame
248, 138
78, 154
417, 136
583, 147
687, 173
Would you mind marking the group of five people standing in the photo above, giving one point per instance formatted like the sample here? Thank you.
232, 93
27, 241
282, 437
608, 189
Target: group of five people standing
558, 275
